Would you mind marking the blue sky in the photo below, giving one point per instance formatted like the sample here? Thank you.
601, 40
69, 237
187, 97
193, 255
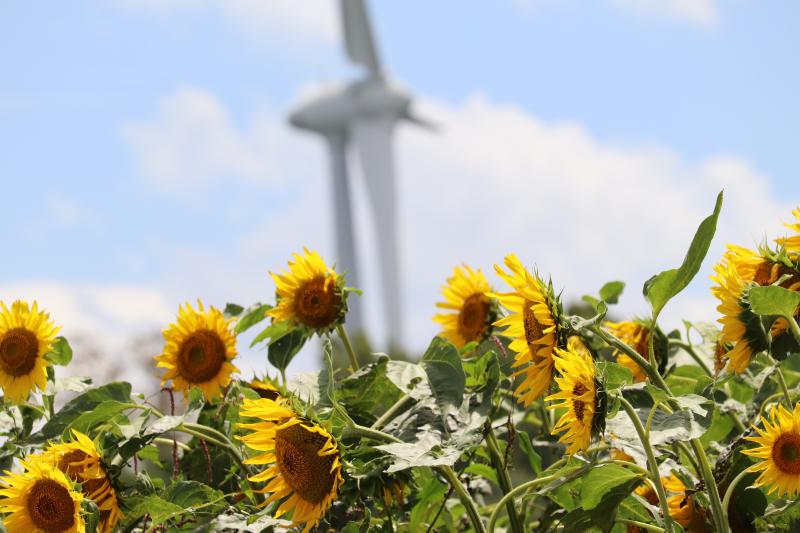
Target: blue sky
145, 146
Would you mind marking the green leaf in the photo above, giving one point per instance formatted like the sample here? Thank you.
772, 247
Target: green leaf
534, 459
274, 331
611, 291
482, 470
687, 379
614, 376
61, 354
100, 414
662, 287
431, 494
158, 508
604, 479
162, 425
233, 310
119, 391
774, 301
282, 351
91, 515
442, 364
254, 314
409, 378
426, 452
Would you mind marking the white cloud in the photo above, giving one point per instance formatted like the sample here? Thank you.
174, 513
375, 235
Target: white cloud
702, 12
497, 179
194, 140
301, 22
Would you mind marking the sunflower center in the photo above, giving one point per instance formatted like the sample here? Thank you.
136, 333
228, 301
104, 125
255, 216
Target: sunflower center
308, 474
201, 356
533, 330
66, 464
578, 406
50, 506
316, 303
786, 453
472, 317
19, 349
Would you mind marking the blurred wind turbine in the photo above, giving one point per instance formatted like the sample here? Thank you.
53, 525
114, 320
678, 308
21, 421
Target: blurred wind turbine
363, 113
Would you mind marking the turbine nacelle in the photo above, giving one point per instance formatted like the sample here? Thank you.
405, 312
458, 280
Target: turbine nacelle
338, 108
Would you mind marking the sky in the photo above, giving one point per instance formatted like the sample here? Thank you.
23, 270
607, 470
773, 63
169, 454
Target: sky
147, 160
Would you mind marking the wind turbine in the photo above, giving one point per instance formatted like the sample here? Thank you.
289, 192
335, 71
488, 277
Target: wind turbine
363, 114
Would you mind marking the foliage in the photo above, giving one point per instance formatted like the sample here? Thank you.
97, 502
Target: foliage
440, 443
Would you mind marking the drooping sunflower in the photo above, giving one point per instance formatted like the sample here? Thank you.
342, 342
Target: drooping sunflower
578, 392
792, 243
305, 470
637, 336
739, 270
680, 504
740, 328
472, 311
779, 451
265, 389
82, 463
26, 336
309, 294
198, 349
533, 326
40, 500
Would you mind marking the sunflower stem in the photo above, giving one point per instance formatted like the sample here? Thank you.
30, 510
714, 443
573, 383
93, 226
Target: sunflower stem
640, 525
363, 431
688, 348
794, 327
713, 491
516, 491
726, 502
651, 462
651, 351
614, 342
784, 388
183, 446
502, 476
466, 499
348, 346
392, 411
447, 472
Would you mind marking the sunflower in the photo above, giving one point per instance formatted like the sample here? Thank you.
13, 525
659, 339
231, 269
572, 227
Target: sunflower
533, 326
637, 336
305, 471
265, 389
82, 463
779, 449
40, 500
472, 311
792, 244
579, 396
393, 491
309, 294
681, 507
739, 270
198, 349
26, 335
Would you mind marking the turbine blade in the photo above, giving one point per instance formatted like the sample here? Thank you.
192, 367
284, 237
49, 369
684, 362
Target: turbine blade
422, 122
373, 139
358, 39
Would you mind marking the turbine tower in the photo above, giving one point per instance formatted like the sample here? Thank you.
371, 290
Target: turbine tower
363, 114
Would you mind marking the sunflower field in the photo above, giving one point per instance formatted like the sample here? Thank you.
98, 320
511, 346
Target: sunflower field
518, 417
